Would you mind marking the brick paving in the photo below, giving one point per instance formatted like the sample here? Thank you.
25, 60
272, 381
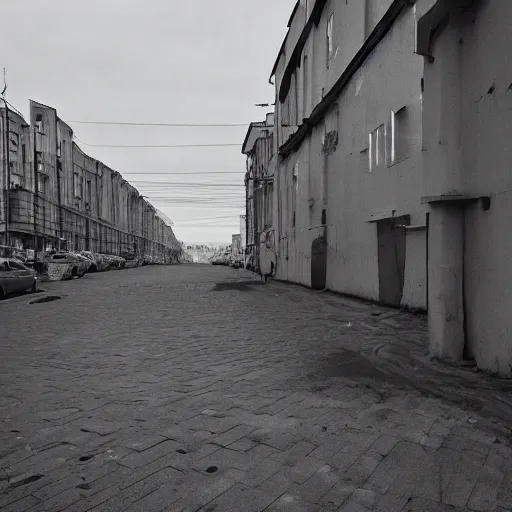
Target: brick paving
197, 388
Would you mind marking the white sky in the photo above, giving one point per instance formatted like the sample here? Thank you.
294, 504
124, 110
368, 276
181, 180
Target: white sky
167, 61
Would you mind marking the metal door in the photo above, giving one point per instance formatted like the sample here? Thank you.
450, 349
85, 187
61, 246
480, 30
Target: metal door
318, 263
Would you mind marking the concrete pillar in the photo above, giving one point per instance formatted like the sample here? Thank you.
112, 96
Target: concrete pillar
445, 278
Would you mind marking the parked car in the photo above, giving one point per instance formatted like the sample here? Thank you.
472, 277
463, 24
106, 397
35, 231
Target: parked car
65, 265
83, 264
92, 258
223, 259
16, 277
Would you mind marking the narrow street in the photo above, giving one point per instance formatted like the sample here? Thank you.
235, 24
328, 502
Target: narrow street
193, 387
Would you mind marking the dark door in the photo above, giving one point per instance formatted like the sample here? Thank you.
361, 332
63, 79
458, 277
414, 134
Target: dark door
87, 235
391, 254
318, 263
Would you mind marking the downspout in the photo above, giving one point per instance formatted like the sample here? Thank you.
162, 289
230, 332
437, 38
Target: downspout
7, 173
58, 169
36, 194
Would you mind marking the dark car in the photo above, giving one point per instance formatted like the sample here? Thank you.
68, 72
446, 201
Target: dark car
16, 277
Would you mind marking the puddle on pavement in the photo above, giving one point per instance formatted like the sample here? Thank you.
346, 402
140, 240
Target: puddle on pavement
46, 298
242, 286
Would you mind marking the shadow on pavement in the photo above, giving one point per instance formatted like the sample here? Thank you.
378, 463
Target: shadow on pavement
242, 286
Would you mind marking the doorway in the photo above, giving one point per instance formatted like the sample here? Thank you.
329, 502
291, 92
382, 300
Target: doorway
391, 257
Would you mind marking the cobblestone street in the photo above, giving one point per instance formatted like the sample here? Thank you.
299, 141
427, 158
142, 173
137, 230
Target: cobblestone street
188, 388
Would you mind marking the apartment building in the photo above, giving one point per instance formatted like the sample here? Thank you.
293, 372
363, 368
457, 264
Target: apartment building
57, 196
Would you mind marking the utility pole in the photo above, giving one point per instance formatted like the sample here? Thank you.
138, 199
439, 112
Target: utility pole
7, 164
7, 173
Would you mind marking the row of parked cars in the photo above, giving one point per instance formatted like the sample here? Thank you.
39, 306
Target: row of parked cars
226, 259
18, 274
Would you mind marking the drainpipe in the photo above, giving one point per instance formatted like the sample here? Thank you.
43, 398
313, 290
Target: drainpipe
35, 204
7, 167
58, 170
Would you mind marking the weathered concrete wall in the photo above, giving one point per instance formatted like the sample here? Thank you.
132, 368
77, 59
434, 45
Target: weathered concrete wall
486, 126
332, 165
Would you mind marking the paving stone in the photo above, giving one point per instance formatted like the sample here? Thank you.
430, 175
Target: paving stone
139, 459
242, 445
362, 468
240, 497
257, 474
21, 505
384, 444
210, 423
296, 453
465, 475
233, 435
58, 502
157, 501
187, 437
145, 443
319, 484
289, 503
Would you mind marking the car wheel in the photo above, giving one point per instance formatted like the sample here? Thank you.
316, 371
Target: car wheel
2, 293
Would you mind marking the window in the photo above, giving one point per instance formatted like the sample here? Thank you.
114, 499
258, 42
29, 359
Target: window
77, 185
39, 160
269, 199
59, 140
17, 266
377, 151
88, 196
23, 154
16, 181
39, 123
305, 87
41, 184
330, 45
400, 135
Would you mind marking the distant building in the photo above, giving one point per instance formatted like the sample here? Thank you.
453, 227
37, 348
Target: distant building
258, 146
57, 196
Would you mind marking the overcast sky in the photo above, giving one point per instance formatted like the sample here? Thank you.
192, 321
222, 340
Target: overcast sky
166, 61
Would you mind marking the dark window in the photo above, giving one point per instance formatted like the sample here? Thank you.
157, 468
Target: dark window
17, 266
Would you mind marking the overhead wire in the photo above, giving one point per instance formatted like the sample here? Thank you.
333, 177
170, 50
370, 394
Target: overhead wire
186, 125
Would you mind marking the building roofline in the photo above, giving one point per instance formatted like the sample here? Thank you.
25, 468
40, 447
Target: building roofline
294, 60
318, 114
281, 52
254, 124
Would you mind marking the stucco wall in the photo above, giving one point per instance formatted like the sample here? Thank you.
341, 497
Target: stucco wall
340, 181
487, 155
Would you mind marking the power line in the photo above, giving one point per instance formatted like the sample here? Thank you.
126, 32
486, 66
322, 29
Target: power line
172, 173
155, 145
192, 125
